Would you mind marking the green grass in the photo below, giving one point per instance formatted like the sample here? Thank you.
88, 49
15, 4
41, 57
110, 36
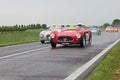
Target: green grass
31, 35
103, 29
109, 68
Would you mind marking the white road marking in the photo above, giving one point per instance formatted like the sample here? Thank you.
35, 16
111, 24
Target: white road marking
87, 65
16, 54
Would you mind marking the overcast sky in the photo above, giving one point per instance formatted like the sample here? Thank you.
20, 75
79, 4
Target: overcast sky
87, 12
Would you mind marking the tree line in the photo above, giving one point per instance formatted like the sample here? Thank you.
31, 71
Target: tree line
11, 29
20, 28
115, 23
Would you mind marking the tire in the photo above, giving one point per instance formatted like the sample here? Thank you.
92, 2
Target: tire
53, 45
99, 33
90, 39
42, 42
83, 41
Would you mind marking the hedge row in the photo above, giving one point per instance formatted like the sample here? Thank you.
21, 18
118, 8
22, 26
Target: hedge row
12, 29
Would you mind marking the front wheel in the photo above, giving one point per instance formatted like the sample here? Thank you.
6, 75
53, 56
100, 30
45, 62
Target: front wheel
90, 39
42, 42
83, 42
99, 33
53, 44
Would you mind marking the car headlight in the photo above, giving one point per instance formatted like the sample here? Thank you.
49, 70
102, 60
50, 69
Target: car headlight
52, 35
78, 35
41, 35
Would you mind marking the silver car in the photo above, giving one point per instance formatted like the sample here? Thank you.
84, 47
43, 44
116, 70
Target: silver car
45, 35
95, 30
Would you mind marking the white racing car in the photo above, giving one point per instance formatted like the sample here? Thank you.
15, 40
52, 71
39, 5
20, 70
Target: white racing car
45, 35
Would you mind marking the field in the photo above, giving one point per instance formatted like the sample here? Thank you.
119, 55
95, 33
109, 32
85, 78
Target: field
109, 68
13, 38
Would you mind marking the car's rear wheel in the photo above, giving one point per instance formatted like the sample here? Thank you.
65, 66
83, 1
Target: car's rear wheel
90, 39
42, 42
83, 41
53, 44
99, 33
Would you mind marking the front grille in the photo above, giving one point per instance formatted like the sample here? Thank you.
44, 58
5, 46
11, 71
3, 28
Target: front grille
48, 35
65, 39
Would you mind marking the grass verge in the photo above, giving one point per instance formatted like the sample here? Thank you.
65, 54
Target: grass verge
31, 35
103, 29
109, 68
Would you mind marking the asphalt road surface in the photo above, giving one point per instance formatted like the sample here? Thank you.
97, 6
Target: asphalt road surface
38, 61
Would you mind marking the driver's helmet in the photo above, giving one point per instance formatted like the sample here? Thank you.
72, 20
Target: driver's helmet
62, 26
79, 25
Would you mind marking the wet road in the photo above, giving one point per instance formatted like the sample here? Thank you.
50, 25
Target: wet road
40, 62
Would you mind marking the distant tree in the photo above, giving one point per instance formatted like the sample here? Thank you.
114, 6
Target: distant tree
116, 22
15, 25
105, 25
44, 26
22, 25
38, 26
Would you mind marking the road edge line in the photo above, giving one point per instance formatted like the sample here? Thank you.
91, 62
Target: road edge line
84, 70
21, 53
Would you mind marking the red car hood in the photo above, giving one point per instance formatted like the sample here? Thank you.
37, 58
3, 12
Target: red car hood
67, 33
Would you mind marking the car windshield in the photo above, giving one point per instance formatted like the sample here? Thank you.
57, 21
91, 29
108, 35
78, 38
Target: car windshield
93, 28
68, 28
79, 27
57, 28
109, 27
74, 28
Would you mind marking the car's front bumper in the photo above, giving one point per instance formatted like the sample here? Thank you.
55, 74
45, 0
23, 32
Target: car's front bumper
67, 41
45, 38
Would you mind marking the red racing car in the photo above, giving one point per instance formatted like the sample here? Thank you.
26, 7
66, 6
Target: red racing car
72, 35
